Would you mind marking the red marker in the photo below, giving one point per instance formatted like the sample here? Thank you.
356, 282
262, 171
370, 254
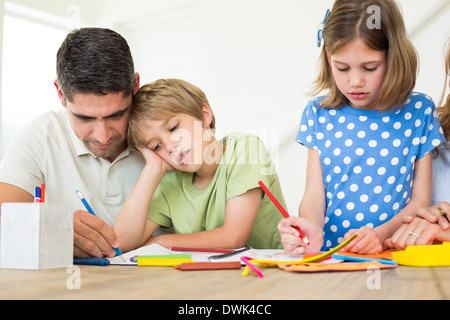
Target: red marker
285, 214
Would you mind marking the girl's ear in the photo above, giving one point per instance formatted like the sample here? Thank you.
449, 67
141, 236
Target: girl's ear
328, 56
207, 116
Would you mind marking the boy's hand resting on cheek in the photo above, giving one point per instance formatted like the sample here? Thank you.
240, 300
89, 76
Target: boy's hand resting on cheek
291, 240
151, 158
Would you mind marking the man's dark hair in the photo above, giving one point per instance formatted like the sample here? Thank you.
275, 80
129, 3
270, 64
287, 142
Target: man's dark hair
95, 60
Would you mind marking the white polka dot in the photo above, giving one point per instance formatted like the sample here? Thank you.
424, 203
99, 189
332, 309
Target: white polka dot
337, 169
373, 143
346, 223
367, 179
337, 151
359, 151
341, 195
378, 189
419, 105
357, 169
397, 125
341, 119
394, 161
384, 152
408, 133
381, 171
337, 212
416, 141
383, 216
348, 142
397, 142
338, 134
371, 161
361, 134
386, 119
319, 136
327, 161
373, 208
418, 123
387, 198
408, 115
364, 198
354, 187
333, 228
391, 179
436, 142
359, 217
330, 126
332, 112
350, 205
374, 126
347, 160
303, 128
385, 135
322, 119
351, 126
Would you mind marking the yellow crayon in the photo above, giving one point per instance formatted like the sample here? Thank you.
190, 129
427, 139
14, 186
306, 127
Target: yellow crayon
152, 262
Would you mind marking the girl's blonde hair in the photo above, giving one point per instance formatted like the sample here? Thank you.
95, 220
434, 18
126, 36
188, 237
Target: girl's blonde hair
162, 99
444, 110
352, 19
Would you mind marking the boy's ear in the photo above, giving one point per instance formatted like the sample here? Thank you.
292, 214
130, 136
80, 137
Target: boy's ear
207, 115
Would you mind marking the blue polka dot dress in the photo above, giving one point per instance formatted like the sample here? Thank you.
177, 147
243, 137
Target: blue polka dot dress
368, 159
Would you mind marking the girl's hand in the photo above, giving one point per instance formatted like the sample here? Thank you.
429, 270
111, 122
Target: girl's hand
152, 159
367, 241
291, 240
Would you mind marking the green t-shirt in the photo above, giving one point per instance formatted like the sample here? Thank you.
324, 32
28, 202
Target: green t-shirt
179, 204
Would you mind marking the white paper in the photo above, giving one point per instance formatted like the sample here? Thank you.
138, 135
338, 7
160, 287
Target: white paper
155, 249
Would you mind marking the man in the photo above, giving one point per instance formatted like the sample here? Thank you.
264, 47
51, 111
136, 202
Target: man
83, 146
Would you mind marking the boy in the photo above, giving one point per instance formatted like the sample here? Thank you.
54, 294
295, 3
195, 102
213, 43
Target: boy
206, 189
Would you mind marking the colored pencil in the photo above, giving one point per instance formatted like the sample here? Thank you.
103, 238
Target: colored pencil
208, 266
201, 250
283, 211
89, 209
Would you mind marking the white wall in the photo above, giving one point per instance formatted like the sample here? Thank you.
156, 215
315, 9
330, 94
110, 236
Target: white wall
255, 59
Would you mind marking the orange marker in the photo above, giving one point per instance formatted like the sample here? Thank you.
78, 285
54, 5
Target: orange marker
283, 212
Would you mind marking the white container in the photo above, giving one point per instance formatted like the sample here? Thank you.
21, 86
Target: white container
36, 236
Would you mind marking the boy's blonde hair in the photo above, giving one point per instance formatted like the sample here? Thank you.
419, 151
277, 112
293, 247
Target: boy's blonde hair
352, 19
162, 99
444, 110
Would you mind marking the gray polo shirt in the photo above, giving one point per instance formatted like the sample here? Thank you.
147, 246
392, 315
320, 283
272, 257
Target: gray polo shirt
441, 175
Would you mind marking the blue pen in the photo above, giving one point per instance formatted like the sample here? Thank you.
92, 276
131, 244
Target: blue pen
361, 259
89, 209
91, 261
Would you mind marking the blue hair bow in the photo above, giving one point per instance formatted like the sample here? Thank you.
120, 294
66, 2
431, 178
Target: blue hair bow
320, 29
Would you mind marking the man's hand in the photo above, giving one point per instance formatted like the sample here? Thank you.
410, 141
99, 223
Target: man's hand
92, 236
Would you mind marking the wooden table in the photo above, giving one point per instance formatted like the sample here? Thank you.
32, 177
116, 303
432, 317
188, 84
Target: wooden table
130, 282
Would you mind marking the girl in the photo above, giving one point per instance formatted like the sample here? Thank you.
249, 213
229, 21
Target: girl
432, 223
208, 189
369, 139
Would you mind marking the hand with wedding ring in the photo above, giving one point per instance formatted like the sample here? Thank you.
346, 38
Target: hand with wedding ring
430, 225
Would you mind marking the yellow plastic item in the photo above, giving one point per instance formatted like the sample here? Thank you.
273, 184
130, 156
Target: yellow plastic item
436, 255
